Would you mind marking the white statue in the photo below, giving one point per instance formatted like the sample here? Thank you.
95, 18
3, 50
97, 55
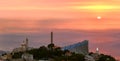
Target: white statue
97, 50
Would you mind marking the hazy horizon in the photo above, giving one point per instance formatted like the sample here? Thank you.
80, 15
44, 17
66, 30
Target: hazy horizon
71, 20
107, 41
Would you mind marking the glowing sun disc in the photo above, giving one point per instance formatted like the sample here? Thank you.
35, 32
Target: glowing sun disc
99, 17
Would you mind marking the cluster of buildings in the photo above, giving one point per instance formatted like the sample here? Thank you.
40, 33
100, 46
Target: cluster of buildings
24, 46
79, 48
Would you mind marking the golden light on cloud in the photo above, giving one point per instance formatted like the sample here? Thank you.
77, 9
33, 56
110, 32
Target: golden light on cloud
97, 8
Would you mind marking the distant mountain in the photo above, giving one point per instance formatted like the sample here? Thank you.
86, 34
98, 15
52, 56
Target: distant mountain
2, 52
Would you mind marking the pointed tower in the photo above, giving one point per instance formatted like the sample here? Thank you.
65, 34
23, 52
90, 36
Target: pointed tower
26, 43
51, 45
23, 45
51, 37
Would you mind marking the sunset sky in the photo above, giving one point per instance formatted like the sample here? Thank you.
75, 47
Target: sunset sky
71, 20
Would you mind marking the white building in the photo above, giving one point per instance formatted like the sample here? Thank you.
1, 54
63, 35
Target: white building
24, 46
27, 57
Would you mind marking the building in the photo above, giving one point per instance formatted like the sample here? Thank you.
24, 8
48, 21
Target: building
27, 57
80, 48
8, 56
24, 47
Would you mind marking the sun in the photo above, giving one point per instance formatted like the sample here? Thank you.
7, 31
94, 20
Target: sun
99, 17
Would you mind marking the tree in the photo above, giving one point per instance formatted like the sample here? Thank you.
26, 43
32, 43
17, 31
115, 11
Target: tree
39, 53
17, 55
106, 58
77, 57
50, 46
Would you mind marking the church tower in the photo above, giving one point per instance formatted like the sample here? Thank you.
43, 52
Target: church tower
26, 43
23, 45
